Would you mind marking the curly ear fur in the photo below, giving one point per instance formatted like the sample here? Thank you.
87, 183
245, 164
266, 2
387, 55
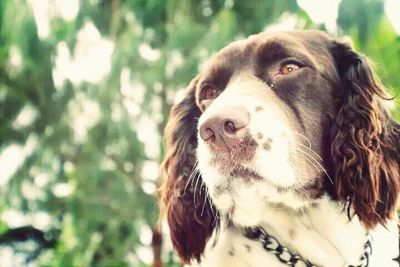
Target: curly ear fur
365, 142
184, 199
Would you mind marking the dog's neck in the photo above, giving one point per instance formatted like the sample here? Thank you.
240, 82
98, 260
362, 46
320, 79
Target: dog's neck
321, 233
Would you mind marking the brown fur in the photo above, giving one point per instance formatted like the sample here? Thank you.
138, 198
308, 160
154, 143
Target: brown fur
365, 142
190, 215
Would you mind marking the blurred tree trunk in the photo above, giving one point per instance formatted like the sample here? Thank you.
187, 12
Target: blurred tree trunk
157, 245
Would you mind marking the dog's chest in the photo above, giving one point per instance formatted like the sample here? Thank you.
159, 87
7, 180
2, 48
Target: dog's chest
324, 236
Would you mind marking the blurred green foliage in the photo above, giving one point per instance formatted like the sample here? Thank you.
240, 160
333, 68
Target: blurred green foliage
84, 155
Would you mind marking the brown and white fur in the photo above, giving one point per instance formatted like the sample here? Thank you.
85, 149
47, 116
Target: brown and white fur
288, 132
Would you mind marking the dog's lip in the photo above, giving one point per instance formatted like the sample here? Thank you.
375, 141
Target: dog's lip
245, 173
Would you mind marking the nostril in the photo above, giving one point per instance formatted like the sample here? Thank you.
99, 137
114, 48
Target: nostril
206, 133
209, 134
229, 127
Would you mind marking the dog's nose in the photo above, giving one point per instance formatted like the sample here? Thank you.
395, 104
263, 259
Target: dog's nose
222, 129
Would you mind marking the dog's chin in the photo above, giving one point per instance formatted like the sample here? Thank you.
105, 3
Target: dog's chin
233, 210
232, 173
242, 196
246, 210
249, 209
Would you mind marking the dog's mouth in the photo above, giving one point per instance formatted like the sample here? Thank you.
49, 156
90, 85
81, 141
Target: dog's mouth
245, 174
233, 169
239, 173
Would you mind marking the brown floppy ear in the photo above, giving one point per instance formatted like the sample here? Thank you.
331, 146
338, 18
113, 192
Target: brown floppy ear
365, 142
190, 214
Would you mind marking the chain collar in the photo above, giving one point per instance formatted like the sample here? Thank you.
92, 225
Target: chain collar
284, 255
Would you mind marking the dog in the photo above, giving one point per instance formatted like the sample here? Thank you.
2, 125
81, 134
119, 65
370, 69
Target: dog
282, 153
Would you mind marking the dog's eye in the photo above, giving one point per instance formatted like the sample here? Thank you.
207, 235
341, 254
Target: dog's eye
288, 68
209, 92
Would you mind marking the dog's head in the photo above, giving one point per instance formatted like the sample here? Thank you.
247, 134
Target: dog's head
278, 119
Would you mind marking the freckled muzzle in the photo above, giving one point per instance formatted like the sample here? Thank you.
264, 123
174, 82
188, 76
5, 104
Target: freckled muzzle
226, 133
223, 130
243, 152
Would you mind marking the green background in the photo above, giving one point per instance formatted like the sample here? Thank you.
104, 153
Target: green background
84, 151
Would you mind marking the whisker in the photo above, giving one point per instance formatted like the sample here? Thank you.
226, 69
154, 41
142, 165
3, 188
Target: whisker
311, 150
309, 147
297, 152
195, 188
311, 159
216, 218
193, 173
308, 140
213, 212
205, 199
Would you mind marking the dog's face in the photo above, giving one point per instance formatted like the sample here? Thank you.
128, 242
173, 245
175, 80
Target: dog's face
264, 104
278, 120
